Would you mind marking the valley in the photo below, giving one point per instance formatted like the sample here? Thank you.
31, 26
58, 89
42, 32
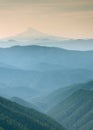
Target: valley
53, 81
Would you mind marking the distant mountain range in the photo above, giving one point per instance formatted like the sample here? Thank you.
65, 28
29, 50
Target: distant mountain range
34, 37
30, 71
33, 34
30, 37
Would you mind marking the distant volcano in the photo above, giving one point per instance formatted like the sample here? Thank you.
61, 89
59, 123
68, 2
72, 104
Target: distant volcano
33, 34
30, 33
34, 37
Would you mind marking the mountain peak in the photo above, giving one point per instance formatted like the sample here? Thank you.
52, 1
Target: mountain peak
30, 30
30, 33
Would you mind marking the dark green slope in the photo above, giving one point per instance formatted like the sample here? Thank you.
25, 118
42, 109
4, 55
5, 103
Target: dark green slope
75, 112
87, 126
1, 128
16, 117
61, 94
57, 96
24, 103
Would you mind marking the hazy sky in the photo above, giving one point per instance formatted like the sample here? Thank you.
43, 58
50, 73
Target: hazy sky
66, 18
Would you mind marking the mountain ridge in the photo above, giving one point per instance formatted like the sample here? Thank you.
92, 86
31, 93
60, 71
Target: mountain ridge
16, 117
77, 110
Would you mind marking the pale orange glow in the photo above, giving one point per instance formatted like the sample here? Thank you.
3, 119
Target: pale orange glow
61, 19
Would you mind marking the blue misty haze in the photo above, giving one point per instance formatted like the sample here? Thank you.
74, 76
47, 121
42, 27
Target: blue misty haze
28, 71
46, 64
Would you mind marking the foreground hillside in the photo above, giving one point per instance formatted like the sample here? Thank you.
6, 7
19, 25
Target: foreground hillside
16, 117
76, 111
59, 95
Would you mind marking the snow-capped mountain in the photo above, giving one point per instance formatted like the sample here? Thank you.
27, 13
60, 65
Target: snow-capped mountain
31, 37
34, 37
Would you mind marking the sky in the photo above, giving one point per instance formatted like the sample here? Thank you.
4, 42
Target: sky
65, 18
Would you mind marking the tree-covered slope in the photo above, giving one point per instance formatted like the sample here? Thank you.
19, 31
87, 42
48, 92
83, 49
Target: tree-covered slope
76, 111
59, 95
24, 103
16, 117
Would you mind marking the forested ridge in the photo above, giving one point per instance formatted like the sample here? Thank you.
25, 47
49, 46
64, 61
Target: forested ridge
16, 117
